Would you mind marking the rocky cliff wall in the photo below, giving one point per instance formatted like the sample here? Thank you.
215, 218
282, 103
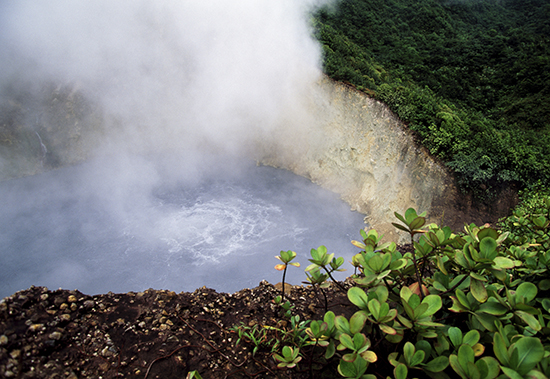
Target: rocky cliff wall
359, 149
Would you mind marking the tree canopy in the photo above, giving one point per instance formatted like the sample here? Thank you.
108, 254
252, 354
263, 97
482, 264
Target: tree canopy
469, 77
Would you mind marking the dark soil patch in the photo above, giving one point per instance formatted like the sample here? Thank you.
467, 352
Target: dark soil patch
157, 334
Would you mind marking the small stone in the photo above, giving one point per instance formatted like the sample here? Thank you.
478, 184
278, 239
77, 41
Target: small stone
15, 354
55, 336
65, 317
3, 339
72, 299
44, 296
89, 304
58, 301
63, 306
35, 327
9, 374
106, 352
142, 325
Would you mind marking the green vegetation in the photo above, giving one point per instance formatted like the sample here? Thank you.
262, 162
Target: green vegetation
469, 77
474, 304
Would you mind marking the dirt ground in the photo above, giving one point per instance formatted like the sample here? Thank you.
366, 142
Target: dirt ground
160, 334
151, 334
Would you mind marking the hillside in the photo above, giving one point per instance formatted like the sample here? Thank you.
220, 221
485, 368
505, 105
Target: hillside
469, 77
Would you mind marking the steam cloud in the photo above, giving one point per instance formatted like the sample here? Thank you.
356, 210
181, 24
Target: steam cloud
195, 75
186, 90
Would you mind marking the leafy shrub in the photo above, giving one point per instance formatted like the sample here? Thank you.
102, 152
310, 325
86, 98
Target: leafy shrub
474, 304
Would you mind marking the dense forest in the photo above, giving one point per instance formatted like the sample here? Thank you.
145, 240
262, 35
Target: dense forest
471, 78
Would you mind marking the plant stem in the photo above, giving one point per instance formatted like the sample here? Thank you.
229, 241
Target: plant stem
334, 280
283, 285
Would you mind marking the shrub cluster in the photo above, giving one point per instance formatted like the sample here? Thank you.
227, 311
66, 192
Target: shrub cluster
474, 304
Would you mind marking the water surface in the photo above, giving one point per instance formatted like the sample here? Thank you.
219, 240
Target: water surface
69, 229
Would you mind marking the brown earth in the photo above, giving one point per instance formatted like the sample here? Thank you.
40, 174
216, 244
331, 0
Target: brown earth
150, 334
161, 334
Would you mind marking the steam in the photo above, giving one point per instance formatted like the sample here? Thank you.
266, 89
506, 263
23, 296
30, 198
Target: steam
186, 91
209, 76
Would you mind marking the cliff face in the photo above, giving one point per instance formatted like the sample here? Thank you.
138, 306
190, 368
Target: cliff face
360, 150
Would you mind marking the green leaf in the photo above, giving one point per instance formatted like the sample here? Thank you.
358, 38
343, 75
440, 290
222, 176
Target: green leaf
429, 324
352, 369
405, 293
408, 352
387, 329
503, 263
488, 321
455, 335
374, 308
331, 350
473, 372
463, 299
417, 358
530, 352
434, 304
499, 348
455, 364
375, 263
457, 306
417, 223
512, 374
342, 324
406, 323
400, 227
410, 215
385, 311
488, 248
488, 367
493, 308
471, 338
437, 365
360, 342
420, 310
533, 374
400, 218
529, 320
381, 293
425, 346
358, 297
400, 371
347, 341
357, 322
478, 277
487, 232
478, 290
526, 292
465, 355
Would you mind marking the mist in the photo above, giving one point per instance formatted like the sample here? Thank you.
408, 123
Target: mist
171, 75
188, 92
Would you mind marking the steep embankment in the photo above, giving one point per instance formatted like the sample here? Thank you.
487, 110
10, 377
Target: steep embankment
359, 149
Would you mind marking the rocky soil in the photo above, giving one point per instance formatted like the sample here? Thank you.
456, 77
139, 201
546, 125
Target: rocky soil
153, 334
